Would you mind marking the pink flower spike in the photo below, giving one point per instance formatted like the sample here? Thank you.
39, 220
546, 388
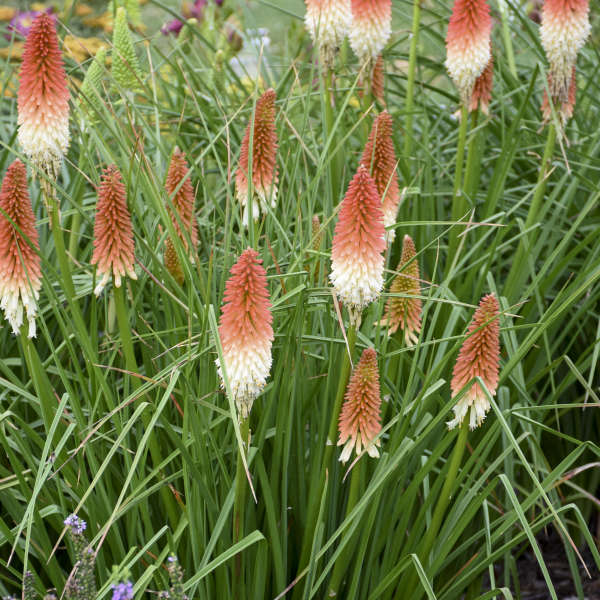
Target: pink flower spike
43, 98
245, 331
370, 30
358, 244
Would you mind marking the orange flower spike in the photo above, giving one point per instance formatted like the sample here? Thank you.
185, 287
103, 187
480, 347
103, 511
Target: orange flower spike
358, 243
378, 81
370, 30
482, 91
468, 44
264, 159
43, 98
404, 313
113, 232
478, 357
245, 331
379, 158
20, 273
360, 418
564, 30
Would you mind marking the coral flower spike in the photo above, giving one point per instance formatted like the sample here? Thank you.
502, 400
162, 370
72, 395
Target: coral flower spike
245, 331
20, 275
358, 243
404, 311
565, 28
379, 157
478, 357
181, 193
468, 45
360, 419
264, 153
43, 98
113, 232
328, 23
371, 29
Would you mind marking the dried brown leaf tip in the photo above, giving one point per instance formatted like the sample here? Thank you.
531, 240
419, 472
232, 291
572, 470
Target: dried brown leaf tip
478, 357
360, 419
403, 309
113, 232
181, 194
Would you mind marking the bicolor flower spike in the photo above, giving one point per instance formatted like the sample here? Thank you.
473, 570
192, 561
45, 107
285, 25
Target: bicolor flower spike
43, 98
564, 110
358, 243
360, 418
565, 28
478, 357
468, 45
370, 30
379, 158
181, 193
482, 91
261, 129
245, 331
328, 23
113, 232
20, 273
403, 311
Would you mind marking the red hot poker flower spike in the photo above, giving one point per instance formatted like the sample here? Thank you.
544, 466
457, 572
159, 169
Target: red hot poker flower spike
264, 155
245, 331
43, 98
328, 22
360, 419
20, 274
181, 194
358, 243
379, 158
370, 30
478, 357
482, 92
405, 312
468, 44
564, 110
113, 232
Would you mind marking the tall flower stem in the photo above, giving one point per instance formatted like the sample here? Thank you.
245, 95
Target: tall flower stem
458, 195
473, 158
334, 164
410, 82
518, 270
239, 505
315, 494
341, 566
508, 45
76, 219
411, 590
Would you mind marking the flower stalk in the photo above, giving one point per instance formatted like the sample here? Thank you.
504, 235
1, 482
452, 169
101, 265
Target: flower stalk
410, 82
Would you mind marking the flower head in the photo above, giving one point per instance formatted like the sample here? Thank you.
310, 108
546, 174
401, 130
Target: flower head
482, 91
261, 129
468, 44
43, 98
360, 419
328, 22
181, 193
478, 357
404, 310
564, 110
76, 524
379, 158
122, 590
90, 93
245, 331
370, 30
378, 81
125, 66
358, 243
565, 28
20, 274
113, 232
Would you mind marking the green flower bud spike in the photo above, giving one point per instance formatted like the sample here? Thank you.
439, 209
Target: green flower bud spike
125, 66
90, 99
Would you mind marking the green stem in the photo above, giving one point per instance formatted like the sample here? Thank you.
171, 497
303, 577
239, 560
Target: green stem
238, 510
334, 163
518, 271
315, 493
473, 158
341, 566
410, 83
411, 588
458, 196
508, 45
77, 197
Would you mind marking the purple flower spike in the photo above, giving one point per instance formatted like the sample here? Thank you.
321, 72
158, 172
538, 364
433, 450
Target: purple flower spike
76, 524
122, 591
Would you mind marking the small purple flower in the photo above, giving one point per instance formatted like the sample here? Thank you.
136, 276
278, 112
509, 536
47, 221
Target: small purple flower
174, 26
21, 23
195, 11
122, 591
76, 524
